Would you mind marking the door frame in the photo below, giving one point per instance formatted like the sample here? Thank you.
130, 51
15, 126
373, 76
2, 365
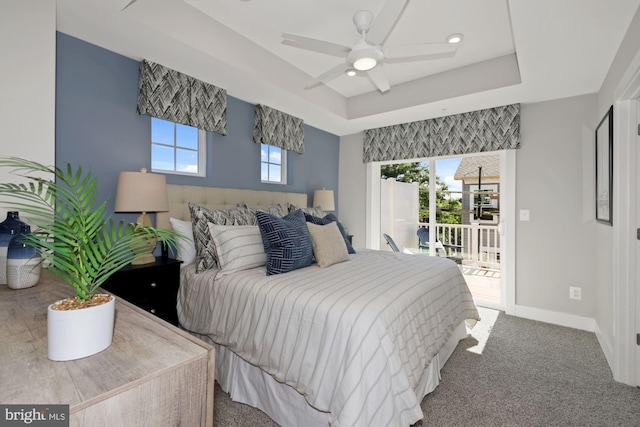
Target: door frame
625, 363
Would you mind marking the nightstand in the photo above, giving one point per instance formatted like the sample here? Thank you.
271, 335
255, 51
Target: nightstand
152, 287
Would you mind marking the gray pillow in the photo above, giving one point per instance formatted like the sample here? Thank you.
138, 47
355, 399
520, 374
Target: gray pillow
328, 244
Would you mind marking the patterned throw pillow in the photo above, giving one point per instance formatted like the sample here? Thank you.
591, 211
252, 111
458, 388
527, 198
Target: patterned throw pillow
317, 211
286, 242
238, 247
275, 210
328, 244
326, 220
200, 219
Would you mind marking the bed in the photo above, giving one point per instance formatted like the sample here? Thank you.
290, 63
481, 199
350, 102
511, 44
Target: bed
357, 343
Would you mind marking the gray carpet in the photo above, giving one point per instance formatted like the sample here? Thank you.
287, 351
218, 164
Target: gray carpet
509, 372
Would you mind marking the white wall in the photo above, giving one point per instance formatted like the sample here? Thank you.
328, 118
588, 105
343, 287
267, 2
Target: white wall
614, 286
352, 187
27, 110
556, 248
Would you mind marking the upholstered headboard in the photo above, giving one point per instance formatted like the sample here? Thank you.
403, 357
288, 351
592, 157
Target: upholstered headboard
220, 198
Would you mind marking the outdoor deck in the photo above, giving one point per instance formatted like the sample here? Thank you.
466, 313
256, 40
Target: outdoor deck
484, 284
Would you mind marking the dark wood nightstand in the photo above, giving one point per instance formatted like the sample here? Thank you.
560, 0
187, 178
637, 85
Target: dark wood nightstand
152, 287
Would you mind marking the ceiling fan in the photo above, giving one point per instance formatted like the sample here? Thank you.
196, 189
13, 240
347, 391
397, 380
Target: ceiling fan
369, 53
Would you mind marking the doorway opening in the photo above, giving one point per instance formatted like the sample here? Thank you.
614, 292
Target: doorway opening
464, 193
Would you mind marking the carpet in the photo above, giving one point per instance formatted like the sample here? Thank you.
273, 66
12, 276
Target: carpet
508, 372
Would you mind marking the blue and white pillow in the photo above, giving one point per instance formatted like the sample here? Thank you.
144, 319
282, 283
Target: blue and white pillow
286, 242
326, 220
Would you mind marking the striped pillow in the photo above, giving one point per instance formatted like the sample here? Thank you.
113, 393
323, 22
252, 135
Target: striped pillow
200, 218
238, 247
286, 242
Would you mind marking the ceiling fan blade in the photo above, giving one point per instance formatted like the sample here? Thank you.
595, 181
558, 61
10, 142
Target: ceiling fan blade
424, 50
315, 45
385, 21
379, 79
328, 75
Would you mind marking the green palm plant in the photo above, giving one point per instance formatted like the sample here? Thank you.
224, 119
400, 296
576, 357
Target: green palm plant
81, 243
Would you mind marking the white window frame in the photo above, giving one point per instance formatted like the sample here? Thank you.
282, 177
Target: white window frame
201, 151
283, 166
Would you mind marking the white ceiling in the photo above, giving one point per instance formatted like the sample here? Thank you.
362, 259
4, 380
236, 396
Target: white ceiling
513, 51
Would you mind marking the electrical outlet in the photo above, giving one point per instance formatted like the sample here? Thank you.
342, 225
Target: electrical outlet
524, 215
575, 293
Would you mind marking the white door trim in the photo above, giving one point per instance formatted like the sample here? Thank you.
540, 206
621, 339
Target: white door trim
625, 274
508, 231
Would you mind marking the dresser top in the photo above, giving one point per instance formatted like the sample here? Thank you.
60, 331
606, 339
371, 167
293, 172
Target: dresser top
143, 347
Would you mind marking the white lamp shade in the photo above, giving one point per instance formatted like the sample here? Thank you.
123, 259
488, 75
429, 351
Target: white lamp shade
324, 199
141, 192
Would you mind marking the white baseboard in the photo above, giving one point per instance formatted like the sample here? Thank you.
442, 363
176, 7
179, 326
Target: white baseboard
556, 318
605, 344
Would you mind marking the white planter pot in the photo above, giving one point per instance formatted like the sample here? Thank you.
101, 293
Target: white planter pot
74, 334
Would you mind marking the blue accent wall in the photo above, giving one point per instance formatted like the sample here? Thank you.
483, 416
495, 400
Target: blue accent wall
97, 127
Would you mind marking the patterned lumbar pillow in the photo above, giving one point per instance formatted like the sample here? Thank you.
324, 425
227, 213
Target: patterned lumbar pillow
238, 247
328, 244
286, 242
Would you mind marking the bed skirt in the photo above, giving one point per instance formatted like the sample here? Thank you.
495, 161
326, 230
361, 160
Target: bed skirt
248, 384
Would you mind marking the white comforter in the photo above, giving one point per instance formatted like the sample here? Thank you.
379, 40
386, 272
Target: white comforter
353, 338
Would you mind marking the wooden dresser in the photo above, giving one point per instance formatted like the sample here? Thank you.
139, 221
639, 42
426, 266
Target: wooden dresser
153, 374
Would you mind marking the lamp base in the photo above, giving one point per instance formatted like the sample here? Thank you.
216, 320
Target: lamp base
144, 245
144, 259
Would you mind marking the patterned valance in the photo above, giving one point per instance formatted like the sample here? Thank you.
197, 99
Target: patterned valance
276, 128
474, 132
170, 95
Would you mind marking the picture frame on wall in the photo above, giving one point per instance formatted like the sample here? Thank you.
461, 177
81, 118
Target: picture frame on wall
604, 169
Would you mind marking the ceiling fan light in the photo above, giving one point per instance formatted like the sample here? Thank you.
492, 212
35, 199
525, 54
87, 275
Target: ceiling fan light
350, 72
364, 57
364, 64
454, 38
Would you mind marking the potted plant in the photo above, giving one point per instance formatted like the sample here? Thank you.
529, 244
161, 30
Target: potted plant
81, 244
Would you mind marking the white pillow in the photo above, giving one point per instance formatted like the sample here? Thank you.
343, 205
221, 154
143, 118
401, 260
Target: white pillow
238, 247
185, 246
328, 244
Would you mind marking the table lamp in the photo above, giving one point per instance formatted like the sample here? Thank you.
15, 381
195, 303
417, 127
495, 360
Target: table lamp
324, 199
142, 192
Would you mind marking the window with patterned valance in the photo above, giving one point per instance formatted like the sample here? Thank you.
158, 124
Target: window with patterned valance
273, 127
170, 95
474, 132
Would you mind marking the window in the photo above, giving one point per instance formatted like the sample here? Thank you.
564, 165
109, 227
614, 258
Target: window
273, 165
177, 148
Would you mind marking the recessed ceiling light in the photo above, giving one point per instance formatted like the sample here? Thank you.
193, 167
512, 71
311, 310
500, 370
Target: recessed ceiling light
454, 38
350, 72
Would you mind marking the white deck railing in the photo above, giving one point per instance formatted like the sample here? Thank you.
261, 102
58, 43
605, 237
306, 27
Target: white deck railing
474, 244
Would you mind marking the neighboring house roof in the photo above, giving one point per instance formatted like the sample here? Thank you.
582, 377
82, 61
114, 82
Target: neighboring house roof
468, 168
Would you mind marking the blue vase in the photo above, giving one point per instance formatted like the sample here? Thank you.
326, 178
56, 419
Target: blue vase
9, 228
23, 262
